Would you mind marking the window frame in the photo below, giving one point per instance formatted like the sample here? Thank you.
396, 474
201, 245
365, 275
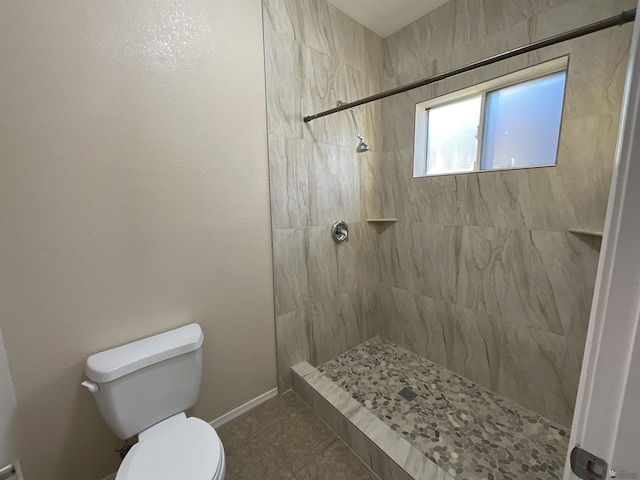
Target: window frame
482, 89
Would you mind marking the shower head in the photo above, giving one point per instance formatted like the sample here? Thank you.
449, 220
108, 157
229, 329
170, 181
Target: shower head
362, 146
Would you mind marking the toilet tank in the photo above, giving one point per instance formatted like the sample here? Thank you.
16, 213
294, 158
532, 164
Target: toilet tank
142, 383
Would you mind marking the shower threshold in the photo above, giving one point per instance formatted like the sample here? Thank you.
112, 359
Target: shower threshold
408, 418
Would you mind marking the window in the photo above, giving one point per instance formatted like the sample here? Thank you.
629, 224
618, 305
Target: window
509, 122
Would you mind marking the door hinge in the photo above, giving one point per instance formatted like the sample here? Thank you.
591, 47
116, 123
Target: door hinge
587, 466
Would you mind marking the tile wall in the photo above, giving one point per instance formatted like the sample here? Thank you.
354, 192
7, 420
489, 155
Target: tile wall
325, 293
480, 274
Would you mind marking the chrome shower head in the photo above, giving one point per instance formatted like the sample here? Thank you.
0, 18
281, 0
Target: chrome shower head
362, 146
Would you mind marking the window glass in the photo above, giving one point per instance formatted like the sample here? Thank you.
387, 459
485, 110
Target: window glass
452, 137
522, 124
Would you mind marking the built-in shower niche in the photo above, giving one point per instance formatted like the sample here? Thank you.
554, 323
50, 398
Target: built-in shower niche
408, 418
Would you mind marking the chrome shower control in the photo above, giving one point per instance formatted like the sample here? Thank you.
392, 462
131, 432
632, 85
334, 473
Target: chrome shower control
340, 231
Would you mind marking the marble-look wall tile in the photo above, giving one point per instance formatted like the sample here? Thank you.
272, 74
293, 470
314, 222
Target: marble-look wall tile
326, 81
570, 197
551, 281
439, 331
289, 178
469, 23
616, 69
578, 137
315, 26
439, 198
292, 340
371, 184
495, 199
570, 372
483, 268
366, 301
400, 318
322, 264
570, 14
358, 259
290, 269
333, 327
282, 16
401, 261
531, 369
499, 14
477, 344
334, 185
440, 258
283, 64
607, 137
349, 38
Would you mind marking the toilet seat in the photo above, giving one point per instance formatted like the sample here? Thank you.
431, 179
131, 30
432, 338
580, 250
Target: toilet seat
188, 449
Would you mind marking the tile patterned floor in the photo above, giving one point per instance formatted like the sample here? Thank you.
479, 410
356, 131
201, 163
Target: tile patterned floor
468, 431
282, 439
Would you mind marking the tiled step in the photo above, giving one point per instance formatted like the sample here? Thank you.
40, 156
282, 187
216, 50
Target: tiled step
384, 451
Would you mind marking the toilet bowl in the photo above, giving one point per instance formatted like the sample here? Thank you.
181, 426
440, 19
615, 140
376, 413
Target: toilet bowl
177, 448
144, 388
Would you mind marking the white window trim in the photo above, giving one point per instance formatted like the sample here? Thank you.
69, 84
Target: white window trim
422, 109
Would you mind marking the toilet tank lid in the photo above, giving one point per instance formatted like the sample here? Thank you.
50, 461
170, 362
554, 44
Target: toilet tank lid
112, 364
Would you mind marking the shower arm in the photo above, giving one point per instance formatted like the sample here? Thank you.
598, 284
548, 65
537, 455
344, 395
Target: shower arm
355, 122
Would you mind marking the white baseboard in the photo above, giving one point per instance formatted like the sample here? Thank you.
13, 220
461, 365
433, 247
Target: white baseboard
236, 412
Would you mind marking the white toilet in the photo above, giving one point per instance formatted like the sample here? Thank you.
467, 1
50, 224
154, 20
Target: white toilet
143, 388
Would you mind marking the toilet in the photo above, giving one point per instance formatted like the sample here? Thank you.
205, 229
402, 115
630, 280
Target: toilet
144, 388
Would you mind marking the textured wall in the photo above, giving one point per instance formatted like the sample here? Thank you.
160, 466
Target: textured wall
324, 292
480, 274
133, 199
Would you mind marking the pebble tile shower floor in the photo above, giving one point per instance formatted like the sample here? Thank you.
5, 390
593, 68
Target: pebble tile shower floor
468, 431
282, 439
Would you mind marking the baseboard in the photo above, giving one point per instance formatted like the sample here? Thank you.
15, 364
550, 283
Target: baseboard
236, 412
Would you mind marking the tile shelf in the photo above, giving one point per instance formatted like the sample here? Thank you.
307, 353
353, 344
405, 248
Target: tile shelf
382, 220
582, 231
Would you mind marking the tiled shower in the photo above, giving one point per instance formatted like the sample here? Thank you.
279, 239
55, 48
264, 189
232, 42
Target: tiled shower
479, 274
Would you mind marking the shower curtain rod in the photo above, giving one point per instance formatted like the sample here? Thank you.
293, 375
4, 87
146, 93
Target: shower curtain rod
617, 20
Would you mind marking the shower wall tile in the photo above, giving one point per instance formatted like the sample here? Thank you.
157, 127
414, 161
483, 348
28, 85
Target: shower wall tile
401, 320
289, 160
551, 281
334, 185
282, 16
366, 301
531, 370
401, 262
439, 339
477, 344
326, 81
440, 256
322, 264
617, 61
358, 261
570, 379
578, 141
333, 328
570, 197
349, 38
292, 340
315, 26
495, 199
283, 64
483, 268
608, 127
439, 198
371, 184
290, 269
499, 14
571, 14
469, 24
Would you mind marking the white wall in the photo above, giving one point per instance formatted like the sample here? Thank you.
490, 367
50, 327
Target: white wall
133, 199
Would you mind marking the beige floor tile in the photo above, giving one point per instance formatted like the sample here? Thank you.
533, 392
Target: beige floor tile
336, 463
